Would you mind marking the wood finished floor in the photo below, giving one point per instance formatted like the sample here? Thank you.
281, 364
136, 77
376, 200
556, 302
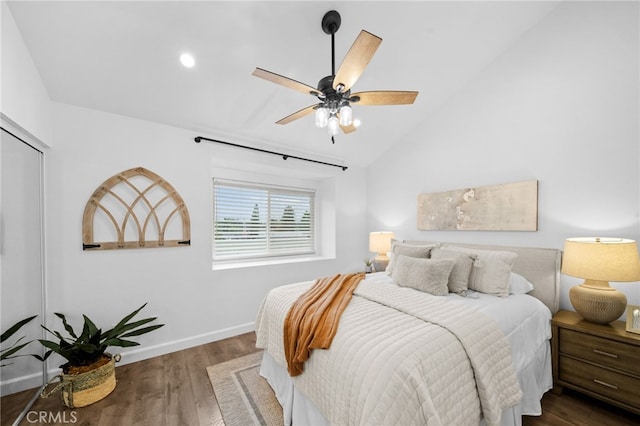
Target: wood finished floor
174, 390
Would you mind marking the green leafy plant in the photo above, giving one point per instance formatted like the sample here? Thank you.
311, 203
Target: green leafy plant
367, 261
90, 345
11, 351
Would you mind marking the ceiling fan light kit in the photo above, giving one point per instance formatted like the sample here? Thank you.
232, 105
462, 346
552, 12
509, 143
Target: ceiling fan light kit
333, 125
334, 111
346, 117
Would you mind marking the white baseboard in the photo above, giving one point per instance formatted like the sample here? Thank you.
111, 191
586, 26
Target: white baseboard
147, 352
19, 384
32, 381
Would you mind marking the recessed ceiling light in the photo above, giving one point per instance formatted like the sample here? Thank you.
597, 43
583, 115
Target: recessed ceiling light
356, 122
187, 60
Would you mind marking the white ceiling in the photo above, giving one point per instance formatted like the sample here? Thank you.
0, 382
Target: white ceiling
122, 57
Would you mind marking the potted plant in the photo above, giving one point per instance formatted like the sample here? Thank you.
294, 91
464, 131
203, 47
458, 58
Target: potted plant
368, 265
89, 373
11, 351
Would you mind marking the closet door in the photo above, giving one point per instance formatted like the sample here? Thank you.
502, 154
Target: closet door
21, 256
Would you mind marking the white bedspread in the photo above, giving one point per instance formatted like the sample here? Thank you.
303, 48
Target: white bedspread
382, 367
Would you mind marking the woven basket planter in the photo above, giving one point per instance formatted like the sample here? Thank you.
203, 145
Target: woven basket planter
80, 390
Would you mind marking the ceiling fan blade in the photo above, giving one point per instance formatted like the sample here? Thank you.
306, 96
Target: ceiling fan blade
348, 129
356, 59
385, 97
285, 81
298, 114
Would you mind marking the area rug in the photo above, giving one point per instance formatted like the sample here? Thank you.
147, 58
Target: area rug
245, 397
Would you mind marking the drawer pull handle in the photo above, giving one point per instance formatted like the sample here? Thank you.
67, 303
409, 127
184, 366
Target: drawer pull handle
598, 351
600, 382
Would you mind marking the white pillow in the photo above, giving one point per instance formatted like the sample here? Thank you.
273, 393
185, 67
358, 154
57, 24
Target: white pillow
411, 250
491, 269
519, 284
429, 276
461, 273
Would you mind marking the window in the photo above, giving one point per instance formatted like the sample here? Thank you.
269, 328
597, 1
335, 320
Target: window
255, 220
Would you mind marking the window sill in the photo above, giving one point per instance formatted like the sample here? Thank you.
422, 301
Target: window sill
236, 264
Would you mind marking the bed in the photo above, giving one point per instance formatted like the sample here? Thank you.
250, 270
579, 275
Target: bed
396, 357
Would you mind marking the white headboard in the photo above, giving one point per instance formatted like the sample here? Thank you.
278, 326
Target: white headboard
541, 266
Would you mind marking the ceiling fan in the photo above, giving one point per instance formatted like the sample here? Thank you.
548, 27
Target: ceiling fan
334, 91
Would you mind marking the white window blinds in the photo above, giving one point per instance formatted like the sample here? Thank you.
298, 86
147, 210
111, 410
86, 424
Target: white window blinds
256, 220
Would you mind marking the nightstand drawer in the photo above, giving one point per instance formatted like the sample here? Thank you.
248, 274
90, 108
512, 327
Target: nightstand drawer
599, 350
601, 381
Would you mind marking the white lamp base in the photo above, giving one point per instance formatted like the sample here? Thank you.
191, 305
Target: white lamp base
380, 263
597, 302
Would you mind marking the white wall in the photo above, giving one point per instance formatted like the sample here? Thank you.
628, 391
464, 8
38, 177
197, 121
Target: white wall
24, 98
196, 304
560, 106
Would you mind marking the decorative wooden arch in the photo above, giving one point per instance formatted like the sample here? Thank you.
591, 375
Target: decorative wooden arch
109, 190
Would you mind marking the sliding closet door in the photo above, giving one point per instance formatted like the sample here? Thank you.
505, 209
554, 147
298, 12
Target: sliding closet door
21, 249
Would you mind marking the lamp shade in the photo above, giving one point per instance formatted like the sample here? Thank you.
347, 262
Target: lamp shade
601, 259
380, 242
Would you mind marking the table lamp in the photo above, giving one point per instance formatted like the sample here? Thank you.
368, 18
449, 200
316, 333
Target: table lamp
380, 242
598, 261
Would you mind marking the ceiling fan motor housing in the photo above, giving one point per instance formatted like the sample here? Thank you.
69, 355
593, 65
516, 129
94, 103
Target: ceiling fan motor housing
332, 99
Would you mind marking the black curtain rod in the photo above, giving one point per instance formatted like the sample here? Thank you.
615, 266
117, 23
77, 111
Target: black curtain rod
199, 139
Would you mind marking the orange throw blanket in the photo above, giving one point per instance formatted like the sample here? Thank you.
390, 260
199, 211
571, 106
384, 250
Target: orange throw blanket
313, 319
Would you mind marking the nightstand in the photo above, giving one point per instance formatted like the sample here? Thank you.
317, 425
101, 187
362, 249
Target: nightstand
602, 361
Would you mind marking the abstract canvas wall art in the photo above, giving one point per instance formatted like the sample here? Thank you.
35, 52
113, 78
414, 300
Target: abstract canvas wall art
505, 207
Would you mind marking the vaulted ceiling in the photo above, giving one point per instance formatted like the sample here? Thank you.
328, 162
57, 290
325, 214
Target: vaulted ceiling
122, 58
